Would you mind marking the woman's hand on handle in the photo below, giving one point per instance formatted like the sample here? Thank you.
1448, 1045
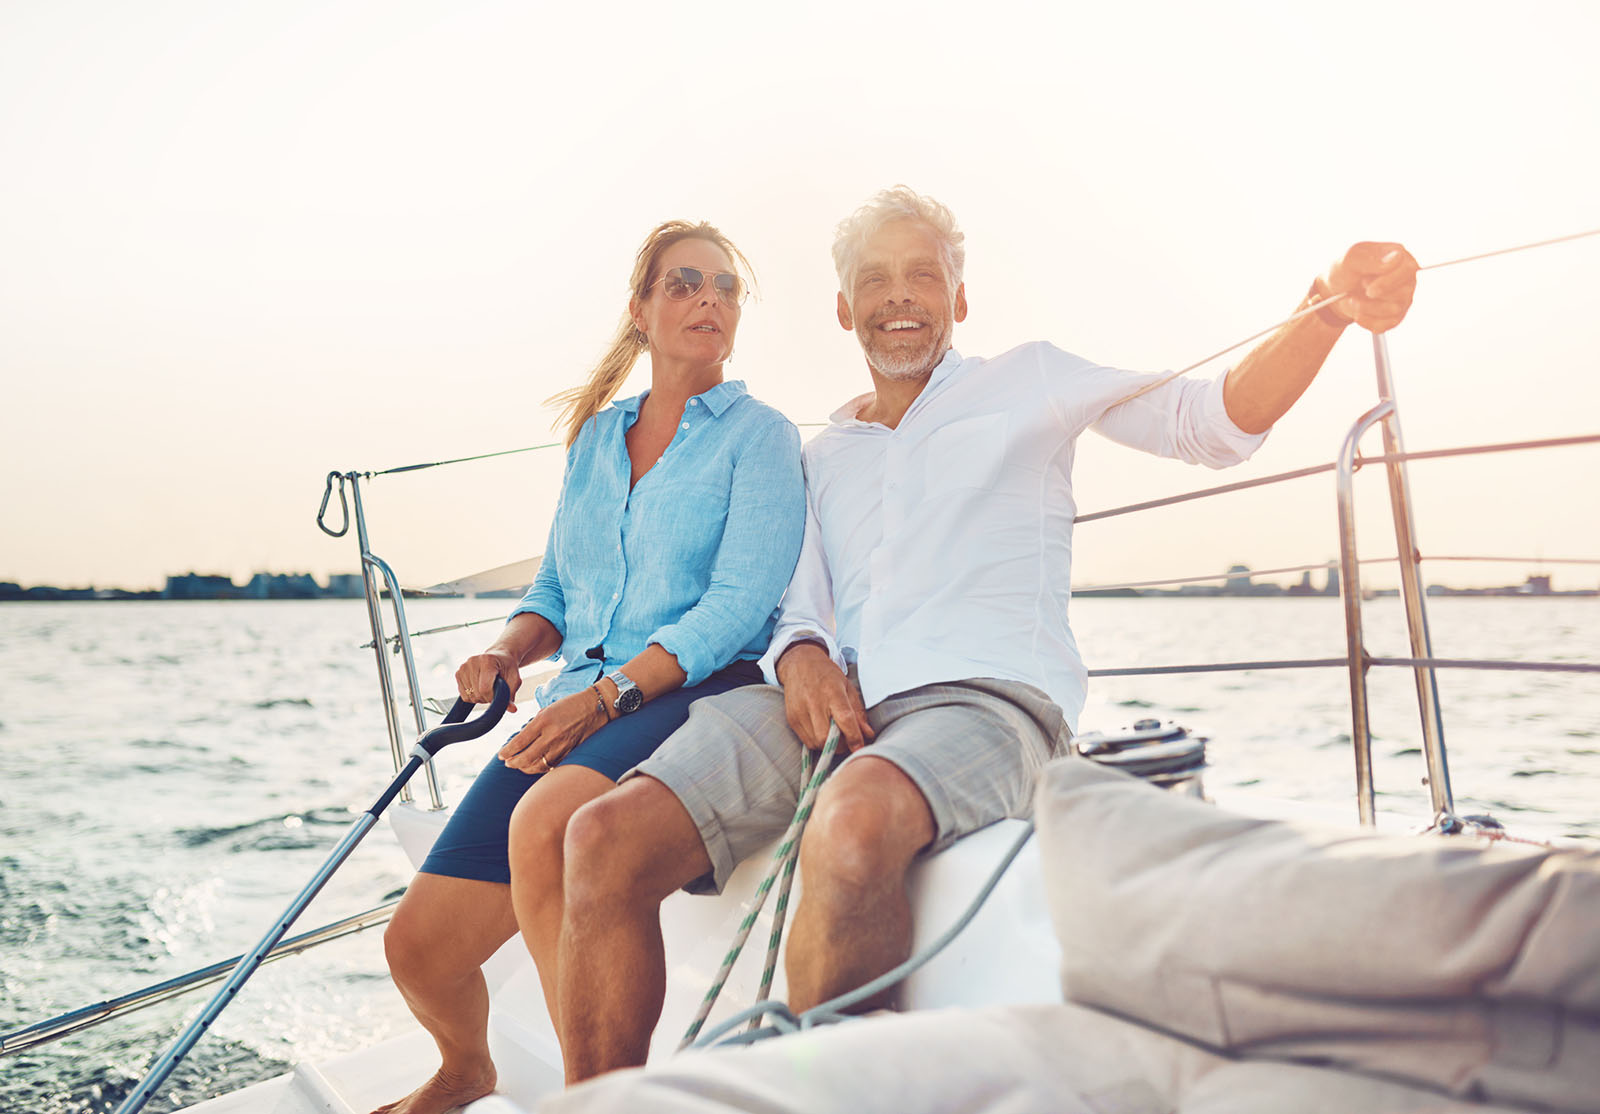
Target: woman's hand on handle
527, 637
475, 676
549, 737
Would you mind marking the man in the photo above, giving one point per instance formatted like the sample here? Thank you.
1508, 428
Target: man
927, 618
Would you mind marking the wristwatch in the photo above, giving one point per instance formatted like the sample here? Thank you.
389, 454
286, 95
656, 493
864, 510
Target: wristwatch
629, 698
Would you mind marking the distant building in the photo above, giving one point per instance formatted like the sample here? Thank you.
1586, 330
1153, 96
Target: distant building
345, 586
1238, 582
195, 586
282, 586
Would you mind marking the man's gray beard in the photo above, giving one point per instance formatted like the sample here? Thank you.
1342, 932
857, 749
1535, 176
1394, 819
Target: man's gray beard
910, 365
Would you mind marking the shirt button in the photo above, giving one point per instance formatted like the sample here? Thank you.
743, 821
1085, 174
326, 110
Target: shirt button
685, 425
613, 595
694, 402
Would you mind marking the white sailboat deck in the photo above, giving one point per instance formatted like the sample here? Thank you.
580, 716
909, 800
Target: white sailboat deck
1008, 954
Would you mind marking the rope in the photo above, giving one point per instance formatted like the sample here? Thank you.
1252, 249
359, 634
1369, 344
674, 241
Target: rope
783, 860
1508, 251
833, 1009
1170, 376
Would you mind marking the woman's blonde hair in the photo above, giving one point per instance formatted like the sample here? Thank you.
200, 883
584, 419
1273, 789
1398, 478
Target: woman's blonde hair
583, 402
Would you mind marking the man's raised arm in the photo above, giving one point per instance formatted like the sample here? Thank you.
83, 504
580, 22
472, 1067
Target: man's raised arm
1371, 286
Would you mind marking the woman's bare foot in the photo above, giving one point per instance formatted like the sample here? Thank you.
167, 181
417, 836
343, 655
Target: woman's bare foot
444, 1091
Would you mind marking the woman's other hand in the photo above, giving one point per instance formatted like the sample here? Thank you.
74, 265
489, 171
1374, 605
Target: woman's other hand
475, 677
549, 737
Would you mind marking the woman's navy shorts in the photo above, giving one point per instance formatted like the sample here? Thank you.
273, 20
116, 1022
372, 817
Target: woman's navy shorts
474, 843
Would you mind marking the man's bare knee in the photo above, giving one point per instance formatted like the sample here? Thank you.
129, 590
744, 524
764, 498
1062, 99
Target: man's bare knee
635, 844
866, 829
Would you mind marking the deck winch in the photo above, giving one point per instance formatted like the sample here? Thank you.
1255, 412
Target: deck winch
1165, 754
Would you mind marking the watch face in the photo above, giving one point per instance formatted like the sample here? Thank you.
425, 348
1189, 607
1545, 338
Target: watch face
630, 700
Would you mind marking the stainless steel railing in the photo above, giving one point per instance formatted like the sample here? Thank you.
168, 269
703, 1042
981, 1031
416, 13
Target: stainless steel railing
86, 1017
1357, 661
374, 568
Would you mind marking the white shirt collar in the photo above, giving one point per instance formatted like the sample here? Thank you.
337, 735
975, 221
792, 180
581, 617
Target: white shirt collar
846, 414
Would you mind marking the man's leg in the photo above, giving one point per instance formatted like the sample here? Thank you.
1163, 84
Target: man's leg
949, 759
854, 918
625, 853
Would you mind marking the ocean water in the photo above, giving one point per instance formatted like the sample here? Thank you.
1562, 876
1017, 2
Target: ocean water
172, 773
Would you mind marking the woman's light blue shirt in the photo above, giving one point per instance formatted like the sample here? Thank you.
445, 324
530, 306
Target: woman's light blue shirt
694, 559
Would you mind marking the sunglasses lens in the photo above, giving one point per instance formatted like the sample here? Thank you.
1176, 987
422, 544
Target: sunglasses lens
681, 282
730, 288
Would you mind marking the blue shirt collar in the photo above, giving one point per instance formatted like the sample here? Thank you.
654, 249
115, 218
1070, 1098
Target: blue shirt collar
717, 399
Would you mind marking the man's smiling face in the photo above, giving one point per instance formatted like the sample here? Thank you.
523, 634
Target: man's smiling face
903, 301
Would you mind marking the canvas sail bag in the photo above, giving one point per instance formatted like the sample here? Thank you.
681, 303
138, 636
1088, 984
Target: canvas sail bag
1460, 964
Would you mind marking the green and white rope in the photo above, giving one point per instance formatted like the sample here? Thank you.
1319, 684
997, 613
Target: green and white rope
783, 862
780, 911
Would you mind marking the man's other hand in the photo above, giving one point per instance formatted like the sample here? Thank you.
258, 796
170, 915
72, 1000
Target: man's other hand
815, 692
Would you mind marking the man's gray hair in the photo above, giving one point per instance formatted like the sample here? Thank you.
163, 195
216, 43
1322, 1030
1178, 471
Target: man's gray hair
898, 203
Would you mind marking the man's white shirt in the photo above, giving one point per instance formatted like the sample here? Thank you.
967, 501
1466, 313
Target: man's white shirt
941, 550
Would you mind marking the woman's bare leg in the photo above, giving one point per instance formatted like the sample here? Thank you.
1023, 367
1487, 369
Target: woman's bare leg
441, 934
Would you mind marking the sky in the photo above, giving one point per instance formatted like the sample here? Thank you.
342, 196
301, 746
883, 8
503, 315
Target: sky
246, 244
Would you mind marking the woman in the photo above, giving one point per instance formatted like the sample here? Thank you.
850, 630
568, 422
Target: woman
678, 527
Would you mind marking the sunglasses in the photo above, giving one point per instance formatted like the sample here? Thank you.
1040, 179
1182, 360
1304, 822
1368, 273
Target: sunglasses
685, 282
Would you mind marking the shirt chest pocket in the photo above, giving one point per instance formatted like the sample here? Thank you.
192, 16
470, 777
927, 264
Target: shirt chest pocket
965, 455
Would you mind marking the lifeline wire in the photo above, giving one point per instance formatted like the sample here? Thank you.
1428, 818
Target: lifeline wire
463, 459
1146, 389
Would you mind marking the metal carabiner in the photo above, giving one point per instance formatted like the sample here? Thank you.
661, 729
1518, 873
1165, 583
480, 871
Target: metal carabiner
344, 507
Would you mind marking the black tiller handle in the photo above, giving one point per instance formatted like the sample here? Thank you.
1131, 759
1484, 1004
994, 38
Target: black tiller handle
453, 730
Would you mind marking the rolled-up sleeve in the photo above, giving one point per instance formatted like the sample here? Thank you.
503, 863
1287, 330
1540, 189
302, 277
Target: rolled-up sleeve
1183, 418
759, 546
